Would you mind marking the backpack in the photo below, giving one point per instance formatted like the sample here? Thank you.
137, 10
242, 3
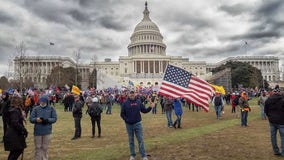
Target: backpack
236, 100
94, 110
28, 102
218, 101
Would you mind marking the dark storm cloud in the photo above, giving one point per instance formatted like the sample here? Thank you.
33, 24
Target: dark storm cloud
223, 51
235, 9
270, 7
256, 35
51, 12
111, 22
199, 30
7, 19
80, 16
269, 16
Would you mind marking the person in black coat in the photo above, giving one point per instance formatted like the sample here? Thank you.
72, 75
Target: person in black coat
274, 109
77, 115
5, 104
16, 133
95, 110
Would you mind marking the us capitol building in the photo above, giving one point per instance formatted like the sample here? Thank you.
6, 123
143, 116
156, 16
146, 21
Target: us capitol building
145, 62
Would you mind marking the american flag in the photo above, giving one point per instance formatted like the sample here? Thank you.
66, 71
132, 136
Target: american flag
178, 82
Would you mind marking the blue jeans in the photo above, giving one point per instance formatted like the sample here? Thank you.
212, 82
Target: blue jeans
218, 111
154, 109
263, 116
244, 118
178, 120
273, 133
138, 131
109, 107
77, 122
169, 118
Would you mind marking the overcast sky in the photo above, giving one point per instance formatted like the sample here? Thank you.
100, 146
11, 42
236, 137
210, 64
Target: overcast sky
209, 30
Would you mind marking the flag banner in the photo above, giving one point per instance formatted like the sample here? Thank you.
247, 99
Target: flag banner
105, 81
75, 90
219, 89
178, 82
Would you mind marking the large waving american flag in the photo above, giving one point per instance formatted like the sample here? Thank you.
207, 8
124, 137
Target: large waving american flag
178, 82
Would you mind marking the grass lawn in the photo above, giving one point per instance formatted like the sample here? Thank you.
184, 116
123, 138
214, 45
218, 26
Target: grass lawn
202, 137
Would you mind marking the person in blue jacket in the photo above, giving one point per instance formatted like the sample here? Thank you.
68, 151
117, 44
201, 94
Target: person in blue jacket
43, 116
130, 113
178, 112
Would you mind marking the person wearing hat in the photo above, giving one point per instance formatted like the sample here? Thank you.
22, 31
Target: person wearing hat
274, 109
218, 103
245, 108
130, 113
95, 110
42, 116
77, 115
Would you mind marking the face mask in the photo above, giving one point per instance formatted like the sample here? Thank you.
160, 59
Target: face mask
43, 105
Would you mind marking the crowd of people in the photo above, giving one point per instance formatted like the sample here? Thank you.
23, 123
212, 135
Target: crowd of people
15, 110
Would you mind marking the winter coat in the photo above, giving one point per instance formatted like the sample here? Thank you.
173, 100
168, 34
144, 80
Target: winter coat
130, 111
48, 113
177, 107
168, 104
274, 109
95, 110
77, 109
16, 133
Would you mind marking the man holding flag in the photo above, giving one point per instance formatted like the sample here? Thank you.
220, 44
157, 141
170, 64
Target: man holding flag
178, 82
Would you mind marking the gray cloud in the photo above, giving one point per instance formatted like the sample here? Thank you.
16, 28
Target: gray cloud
200, 30
235, 9
7, 19
256, 35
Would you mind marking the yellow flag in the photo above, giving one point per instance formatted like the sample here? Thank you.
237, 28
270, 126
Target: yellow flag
75, 90
218, 89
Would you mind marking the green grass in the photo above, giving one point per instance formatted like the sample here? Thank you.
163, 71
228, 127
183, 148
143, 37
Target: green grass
114, 142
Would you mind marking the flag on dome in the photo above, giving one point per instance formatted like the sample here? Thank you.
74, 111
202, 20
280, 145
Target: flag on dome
178, 82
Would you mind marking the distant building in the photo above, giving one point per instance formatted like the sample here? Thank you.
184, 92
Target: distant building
145, 62
269, 65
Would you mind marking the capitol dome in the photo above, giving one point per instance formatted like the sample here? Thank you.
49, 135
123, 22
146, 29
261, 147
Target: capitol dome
146, 38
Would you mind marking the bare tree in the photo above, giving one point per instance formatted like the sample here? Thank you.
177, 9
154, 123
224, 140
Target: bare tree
77, 55
20, 57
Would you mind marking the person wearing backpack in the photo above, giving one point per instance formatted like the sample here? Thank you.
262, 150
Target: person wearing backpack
274, 109
95, 110
218, 103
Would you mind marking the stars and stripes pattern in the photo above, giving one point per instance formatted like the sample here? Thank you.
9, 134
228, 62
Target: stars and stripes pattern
178, 82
